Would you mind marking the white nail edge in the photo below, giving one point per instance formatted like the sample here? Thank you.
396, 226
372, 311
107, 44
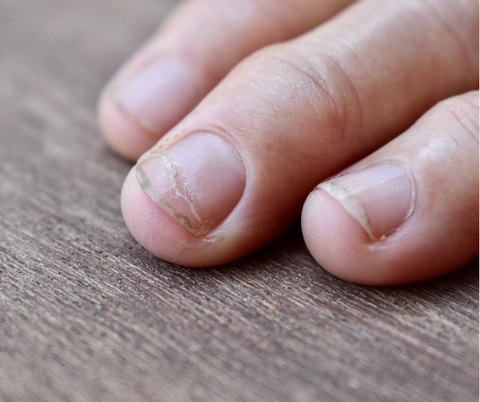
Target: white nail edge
146, 125
351, 204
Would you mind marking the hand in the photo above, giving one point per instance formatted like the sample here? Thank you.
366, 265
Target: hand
375, 100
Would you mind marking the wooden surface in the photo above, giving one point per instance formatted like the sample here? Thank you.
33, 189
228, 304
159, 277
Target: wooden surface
87, 315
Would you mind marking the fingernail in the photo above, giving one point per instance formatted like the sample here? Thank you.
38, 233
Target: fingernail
380, 198
158, 96
198, 181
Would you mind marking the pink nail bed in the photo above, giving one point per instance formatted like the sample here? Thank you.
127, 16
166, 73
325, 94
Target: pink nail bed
158, 96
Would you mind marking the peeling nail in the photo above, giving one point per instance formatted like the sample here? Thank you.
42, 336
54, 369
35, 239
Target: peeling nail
198, 181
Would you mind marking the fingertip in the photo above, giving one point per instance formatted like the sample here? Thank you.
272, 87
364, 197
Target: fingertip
166, 238
152, 227
423, 247
342, 247
337, 241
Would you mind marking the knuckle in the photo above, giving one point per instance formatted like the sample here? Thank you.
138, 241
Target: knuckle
320, 89
459, 19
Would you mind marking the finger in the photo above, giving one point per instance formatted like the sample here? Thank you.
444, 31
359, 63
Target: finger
409, 211
202, 41
235, 173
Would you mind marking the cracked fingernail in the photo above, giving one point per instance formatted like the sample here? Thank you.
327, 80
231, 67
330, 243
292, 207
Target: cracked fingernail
198, 181
158, 96
380, 198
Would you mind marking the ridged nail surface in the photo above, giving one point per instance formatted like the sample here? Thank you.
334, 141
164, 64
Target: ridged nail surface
198, 181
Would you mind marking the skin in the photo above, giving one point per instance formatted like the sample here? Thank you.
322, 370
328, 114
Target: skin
305, 90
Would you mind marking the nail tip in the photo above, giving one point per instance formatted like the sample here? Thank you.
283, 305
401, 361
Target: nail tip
350, 204
141, 122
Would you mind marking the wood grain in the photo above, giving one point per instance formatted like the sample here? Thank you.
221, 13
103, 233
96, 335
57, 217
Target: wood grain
87, 315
